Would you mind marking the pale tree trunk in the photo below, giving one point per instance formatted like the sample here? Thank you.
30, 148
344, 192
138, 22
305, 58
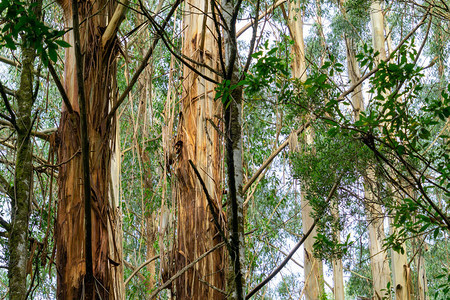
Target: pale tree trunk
313, 269
23, 177
379, 261
400, 271
99, 73
354, 74
198, 141
338, 269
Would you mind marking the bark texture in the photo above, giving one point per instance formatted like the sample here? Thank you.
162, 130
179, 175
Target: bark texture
23, 181
99, 71
199, 141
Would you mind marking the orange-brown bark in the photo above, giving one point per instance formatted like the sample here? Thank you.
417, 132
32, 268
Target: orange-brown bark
199, 141
98, 76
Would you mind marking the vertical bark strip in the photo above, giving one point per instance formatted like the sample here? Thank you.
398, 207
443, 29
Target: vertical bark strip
197, 140
98, 73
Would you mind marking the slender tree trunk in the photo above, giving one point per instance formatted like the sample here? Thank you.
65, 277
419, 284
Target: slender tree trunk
99, 71
314, 287
23, 177
338, 269
198, 141
233, 146
379, 262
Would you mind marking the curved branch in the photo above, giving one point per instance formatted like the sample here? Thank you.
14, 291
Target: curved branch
182, 271
139, 268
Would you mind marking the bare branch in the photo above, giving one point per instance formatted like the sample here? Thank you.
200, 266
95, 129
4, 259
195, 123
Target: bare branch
60, 87
139, 268
289, 256
182, 271
272, 156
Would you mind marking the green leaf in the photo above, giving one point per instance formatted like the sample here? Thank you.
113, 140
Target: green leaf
52, 54
63, 44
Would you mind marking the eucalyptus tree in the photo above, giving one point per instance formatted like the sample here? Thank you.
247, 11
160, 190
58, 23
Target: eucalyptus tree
88, 225
23, 31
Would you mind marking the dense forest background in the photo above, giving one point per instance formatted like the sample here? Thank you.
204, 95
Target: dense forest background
224, 150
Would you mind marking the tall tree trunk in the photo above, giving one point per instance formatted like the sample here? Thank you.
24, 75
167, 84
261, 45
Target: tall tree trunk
23, 177
99, 71
313, 269
379, 262
198, 141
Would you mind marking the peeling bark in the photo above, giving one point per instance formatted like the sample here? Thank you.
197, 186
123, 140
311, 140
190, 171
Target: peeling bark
197, 140
99, 72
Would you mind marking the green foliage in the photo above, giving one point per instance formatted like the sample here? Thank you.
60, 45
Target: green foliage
22, 24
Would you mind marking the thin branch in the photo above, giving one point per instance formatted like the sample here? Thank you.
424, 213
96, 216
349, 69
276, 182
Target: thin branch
250, 24
272, 156
289, 256
210, 202
12, 115
5, 224
252, 42
60, 87
182, 271
139, 268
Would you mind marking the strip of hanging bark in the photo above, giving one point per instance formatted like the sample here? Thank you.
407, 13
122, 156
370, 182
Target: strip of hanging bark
139, 268
211, 204
289, 256
89, 277
182, 271
272, 156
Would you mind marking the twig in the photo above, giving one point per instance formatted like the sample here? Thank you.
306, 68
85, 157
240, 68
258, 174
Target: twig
139, 268
60, 87
289, 256
182, 271
272, 156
